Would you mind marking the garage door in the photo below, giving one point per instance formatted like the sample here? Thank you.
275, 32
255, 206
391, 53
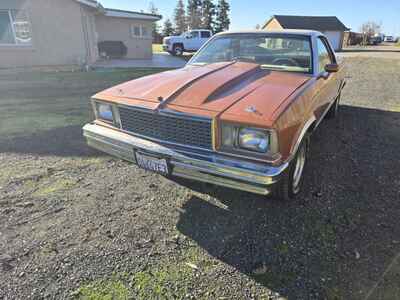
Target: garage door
334, 38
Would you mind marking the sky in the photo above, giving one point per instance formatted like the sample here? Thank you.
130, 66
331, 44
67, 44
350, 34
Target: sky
246, 14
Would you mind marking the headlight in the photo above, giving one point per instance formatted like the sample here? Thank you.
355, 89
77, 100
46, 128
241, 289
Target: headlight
104, 112
253, 140
235, 138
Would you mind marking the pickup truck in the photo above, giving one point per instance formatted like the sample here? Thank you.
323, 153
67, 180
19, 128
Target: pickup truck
190, 41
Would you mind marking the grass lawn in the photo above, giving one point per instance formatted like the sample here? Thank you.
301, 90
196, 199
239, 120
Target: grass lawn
157, 48
36, 101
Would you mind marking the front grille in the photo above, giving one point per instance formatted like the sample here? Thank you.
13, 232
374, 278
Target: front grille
170, 128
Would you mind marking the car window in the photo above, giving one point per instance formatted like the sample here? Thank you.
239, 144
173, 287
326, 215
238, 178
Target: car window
194, 34
270, 51
205, 34
324, 57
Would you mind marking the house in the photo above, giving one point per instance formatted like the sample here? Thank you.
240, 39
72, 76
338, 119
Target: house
332, 27
67, 32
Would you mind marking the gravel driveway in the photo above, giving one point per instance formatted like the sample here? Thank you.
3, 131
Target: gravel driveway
77, 224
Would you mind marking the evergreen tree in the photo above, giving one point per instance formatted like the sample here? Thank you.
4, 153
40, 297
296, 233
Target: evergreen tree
155, 26
208, 15
168, 29
180, 18
222, 21
194, 14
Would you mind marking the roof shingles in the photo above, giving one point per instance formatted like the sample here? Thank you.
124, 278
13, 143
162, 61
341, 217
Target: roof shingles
319, 23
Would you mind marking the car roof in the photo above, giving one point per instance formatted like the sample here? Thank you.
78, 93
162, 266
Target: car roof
280, 31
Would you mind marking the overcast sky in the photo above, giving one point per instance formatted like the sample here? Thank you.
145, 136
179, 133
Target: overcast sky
247, 14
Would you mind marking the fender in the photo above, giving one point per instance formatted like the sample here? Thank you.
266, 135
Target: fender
312, 124
307, 126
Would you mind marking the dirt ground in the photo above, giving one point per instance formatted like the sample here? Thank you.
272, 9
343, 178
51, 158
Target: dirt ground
76, 224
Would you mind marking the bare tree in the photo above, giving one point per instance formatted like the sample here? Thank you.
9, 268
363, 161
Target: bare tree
370, 29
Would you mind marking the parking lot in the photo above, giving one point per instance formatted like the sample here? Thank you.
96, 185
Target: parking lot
78, 224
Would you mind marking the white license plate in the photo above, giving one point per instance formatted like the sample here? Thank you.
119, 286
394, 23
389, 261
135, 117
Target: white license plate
152, 164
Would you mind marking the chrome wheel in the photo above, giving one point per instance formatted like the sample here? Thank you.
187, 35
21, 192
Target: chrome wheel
299, 168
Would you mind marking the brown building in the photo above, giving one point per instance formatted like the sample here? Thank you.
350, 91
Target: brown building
331, 27
67, 32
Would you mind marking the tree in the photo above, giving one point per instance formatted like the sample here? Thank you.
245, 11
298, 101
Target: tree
155, 26
194, 14
180, 17
370, 29
168, 29
222, 22
208, 15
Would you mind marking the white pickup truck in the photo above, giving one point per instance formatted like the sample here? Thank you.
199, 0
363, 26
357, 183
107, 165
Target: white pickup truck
190, 41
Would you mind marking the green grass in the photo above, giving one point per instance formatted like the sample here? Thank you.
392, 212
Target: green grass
53, 187
157, 48
104, 290
172, 278
37, 101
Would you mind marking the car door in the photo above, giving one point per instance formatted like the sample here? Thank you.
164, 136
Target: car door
192, 40
327, 83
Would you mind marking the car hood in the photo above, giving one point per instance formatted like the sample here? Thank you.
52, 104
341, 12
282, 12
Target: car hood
231, 88
171, 37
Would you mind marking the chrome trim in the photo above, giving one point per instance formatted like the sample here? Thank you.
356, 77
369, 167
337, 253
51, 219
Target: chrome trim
325, 112
236, 151
116, 117
168, 112
165, 142
303, 132
216, 169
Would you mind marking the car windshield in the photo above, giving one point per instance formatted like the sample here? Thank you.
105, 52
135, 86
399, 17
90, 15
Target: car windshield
271, 51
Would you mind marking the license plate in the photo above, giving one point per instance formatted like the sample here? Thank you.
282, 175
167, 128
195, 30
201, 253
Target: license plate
152, 164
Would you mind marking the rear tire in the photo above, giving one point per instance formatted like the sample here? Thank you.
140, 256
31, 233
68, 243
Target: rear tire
289, 186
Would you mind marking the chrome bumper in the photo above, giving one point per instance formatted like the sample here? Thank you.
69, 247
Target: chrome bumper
213, 168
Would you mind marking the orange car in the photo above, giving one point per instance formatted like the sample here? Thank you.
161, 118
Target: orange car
239, 115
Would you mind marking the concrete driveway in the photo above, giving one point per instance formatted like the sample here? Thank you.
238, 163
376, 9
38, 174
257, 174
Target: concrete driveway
159, 60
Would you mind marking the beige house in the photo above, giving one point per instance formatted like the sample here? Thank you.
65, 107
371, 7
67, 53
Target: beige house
330, 26
67, 32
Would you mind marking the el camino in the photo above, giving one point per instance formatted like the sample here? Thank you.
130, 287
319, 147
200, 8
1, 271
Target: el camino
240, 114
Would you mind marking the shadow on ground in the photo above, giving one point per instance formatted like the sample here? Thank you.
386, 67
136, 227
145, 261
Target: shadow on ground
338, 238
63, 141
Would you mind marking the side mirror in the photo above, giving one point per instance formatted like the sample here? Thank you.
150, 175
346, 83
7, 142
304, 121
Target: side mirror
332, 68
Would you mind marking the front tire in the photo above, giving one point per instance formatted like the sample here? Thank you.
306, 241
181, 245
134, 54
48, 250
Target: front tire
177, 50
291, 182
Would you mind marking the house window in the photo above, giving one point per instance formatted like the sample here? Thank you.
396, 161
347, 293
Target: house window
140, 31
15, 28
145, 32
